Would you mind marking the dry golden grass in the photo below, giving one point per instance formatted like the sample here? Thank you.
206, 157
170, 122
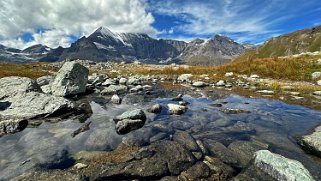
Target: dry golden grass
32, 70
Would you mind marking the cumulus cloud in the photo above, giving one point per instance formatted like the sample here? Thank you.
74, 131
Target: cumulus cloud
73, 17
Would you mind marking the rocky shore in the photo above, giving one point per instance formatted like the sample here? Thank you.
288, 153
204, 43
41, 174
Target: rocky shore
76, 126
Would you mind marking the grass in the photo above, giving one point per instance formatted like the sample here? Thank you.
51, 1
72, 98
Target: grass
32, 70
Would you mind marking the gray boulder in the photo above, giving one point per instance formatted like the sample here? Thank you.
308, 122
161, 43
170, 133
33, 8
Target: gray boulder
176, 109
157, 108
12, 126
122, 81
115, 99
130, 121
199, 84
112, 89
133, 81
71, 80
280, 167
187, 140
11, 86
312, 142
45, 80
34, 104
133, 114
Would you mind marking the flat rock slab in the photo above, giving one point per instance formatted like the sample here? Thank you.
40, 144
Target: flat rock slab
11, 86
280, 167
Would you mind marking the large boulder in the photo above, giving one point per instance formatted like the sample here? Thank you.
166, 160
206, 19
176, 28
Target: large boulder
311, 142
279, 167
11, 86
71, 80
34, 104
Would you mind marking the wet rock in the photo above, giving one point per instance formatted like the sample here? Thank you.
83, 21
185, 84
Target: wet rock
165, 158
112, 89
158, 137
234, 111
244, 150
11, 86
115, 99
51, 175
184, 78
222, 122
187, 140
179, 97
265, 92
181, 125
127, 125
45, 80
239, 127
220, 83
199, 84
12, 126
220, 170
196, 172
311, 142
218, 150
279, 167
122, 81
34, 104
83, 128
202, 147
129, 121
157, 108
176, 109
71, 80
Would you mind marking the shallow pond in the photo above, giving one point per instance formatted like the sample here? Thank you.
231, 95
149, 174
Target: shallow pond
265, 121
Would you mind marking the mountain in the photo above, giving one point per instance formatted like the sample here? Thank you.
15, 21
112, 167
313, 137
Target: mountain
105, 45
306, 40
217, 50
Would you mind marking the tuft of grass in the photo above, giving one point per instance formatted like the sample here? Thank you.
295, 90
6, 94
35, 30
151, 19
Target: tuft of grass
275, 86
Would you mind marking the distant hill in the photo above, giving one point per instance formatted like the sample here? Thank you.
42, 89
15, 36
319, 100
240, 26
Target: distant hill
306, 40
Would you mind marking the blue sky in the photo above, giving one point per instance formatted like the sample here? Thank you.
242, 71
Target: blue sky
59, 22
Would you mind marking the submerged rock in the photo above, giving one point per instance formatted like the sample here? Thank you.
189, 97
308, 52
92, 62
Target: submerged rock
186, 139
280, 167
71, 80
11, 86
176, 109
83, 128
12, 126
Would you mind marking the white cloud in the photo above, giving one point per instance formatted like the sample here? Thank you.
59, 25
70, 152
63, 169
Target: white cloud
71, 17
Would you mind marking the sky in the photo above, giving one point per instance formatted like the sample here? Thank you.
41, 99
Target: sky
54, 23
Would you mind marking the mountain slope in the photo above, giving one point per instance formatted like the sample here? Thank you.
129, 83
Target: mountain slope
307, 40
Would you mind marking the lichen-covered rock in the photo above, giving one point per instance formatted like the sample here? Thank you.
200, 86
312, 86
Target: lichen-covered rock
280, 167
130, 121
71, 80
45, 80
11, 86
133, 114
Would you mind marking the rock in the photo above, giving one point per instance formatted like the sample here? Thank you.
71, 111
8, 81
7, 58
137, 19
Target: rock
254, 76
46, 89
133, 114
147, 88
112, 89
136, 89
220, 83
157, 108
187, 140
83, 128
319, 82
133, 81
12, 126
318, 61
80, 166
127, 125
45, 80
311, 142
51, 175
130, 121
317, 93
176, 109
234, 111
199, 84
221, 170
11, 86
115, 99
279, 167
122, 81
150, 163
71, 80
229, 74
218, 150
265, 92
184, 78
99, 79
316, 75
35, 104
158, 137
109, 82
196, 172
179, 97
